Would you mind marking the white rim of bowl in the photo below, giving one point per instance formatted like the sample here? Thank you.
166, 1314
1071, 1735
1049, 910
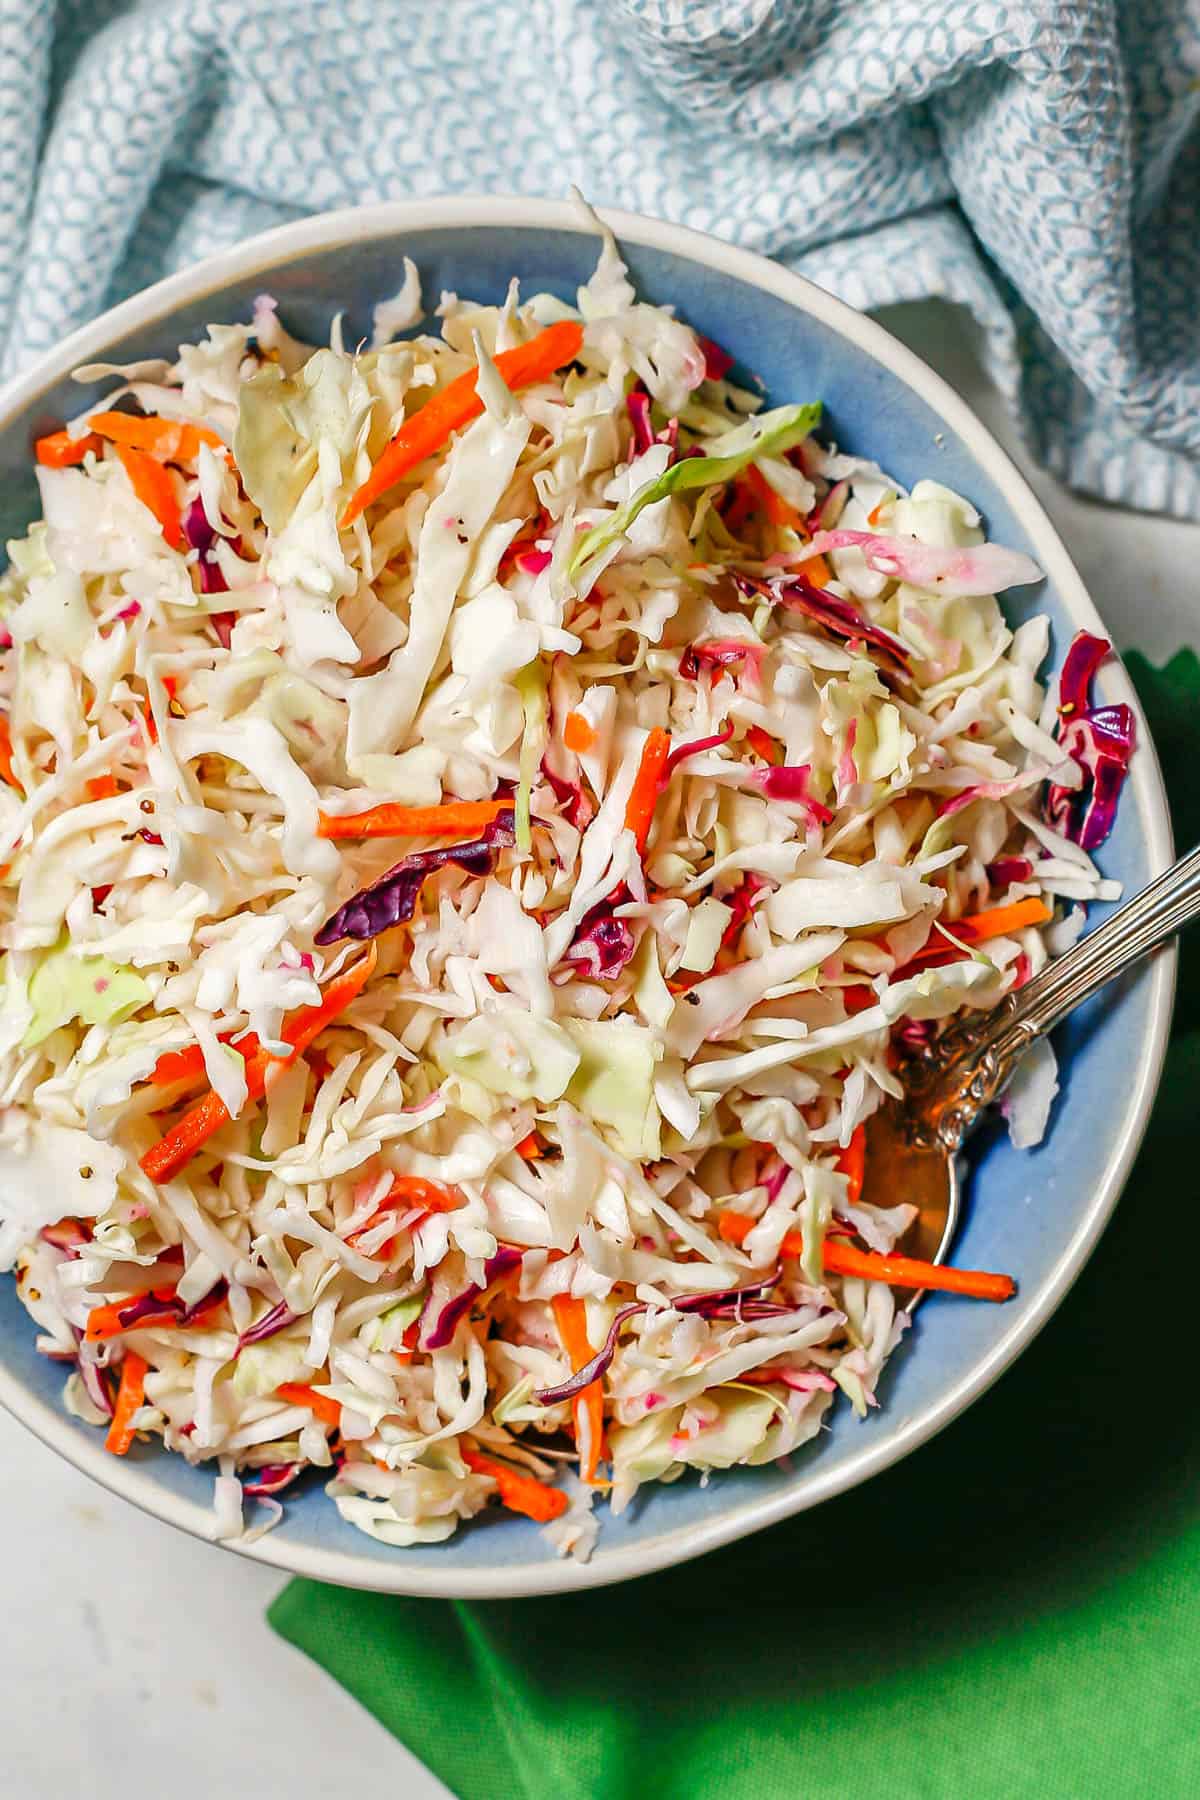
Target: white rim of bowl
351, 225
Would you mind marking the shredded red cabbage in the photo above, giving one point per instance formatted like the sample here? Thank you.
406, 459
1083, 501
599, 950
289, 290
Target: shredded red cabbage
96, 1381
718, 1303
1080, 664
591, 1371
1100, 739
442, 1330
532, 562
201, 536
278, 1319
638, 405
577, 809
603, 945
717, 362
789, 782
1007, 869
707, 1303
393, 898
838, 616
720, 653
68, 1235
273, 1479
163, 1306
741, 900
981, 790
694, 748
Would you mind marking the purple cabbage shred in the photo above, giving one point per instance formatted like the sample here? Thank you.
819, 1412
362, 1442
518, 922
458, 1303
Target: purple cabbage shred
1100, 739
278, 1319
603, 945
838, 616
393, 898
272, 1480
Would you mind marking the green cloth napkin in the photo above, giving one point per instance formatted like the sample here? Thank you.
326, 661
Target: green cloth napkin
1014, 1611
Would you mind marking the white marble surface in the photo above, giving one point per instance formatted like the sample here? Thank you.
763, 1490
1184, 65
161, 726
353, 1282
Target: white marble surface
134, 1653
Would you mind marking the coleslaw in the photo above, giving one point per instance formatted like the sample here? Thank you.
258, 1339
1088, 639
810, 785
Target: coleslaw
481, 814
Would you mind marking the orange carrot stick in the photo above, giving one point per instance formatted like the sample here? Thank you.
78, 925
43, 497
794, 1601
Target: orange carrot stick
104, 1321
7, 773
577, 733
408, 1190
167, 440
570, 1315
320, 1405
458, 403
764, 745
452, 818
898, 1271
852, 1162
530, 1147
59, 450
175, 1149
433, 1196
1000, 921
100, 787
643, 795
773, 504
152, 484
130, 1396
188, 1065
520, 1493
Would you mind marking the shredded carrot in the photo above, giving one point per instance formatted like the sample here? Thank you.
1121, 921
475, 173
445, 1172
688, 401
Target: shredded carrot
643, 795
764, 745
174, 1066
530, 1148
62, 451
130, 1397
175, 1149
433, 1196
773, 504
101, 787
7, 773
1000, 921
296, 1393
452, 819
975, 928
742, 506
408, 1190
458, 403
578, 734
817, 570
852, 1162
409, 1340
520, 1493
570, 1315
153, 486
104, 1322
167, 440
898, 1271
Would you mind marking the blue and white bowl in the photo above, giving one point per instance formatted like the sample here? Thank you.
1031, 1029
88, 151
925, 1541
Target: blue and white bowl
1036, 1214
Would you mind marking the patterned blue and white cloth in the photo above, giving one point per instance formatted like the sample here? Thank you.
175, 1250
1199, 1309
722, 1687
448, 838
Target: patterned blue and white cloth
1037, 161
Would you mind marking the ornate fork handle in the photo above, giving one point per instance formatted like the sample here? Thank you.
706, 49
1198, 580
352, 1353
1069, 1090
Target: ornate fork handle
977, 1062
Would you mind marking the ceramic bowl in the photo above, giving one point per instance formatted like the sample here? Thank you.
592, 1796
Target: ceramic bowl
1035, 1214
